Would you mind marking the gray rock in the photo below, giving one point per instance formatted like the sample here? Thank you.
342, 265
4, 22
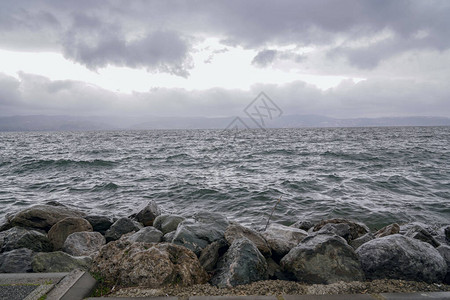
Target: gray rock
281, 239
241, 264
400, 257
211, 253
42, 216
99, 223
356, 229
146, 235
83, 243
340, 229
18, 237
62, 229
444, 250
388, 230
16, 261
431, 228
356, 243
121, 227
276, 272
323, 259
303, 225
418, 232
235, 231
148, 214
168, 237
59, 262
447, 233
167, 223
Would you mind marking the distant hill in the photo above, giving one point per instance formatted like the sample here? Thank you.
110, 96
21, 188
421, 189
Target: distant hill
50, 123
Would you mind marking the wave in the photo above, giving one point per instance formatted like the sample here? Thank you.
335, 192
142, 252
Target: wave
62, 163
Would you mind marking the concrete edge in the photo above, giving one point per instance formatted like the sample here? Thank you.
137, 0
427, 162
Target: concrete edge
77, 284
40, 291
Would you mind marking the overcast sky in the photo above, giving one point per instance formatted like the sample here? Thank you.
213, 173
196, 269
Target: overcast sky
211, 58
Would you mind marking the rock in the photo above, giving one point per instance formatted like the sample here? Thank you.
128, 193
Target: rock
83, 243
99, 223
5, 225
146, 235
168, 237
120, 227
400, 257
444, 250
276, 272
54, 203
303, 225
18, 237
59, 262
62, 229
323, 259
418, 232
241, 264
167, 223
212, 218
447, 233
235, 231
340, 229
282, 239
211, 253
16, 261
148, 214
356, 243
42, 216
356, 229
148, 265
388, 230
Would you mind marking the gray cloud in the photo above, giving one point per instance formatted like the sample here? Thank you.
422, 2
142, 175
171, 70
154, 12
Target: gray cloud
264, 58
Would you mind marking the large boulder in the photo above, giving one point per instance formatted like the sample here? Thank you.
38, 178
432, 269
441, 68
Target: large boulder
42, 216
235, 231
83, 243
303, 225
148, 265
99, 223
419, 232
444, 250
340, 229
281, 239
356, 229
399, 257
62, 229
241, 264
211, 254
388, 230
121, 227
148, 214
16, 261
18, 237
167, 223
356, 243
146, 235
323, 259
59, 262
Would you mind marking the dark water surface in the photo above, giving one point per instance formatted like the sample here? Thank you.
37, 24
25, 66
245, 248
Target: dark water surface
375, 175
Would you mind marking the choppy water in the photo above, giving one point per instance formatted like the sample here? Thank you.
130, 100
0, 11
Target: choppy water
375, 175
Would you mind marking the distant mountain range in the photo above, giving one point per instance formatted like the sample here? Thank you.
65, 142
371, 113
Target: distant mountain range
73, 123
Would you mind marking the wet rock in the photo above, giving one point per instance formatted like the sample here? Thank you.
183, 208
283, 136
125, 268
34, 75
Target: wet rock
83, 243
149, 265
400, 257
5, 225
388, 230
168, 237
323, 259
356, 229
148, 214
167, 223
276, 272
418, 232
444, 250
303, 225
235, 231
62, 229
211, 253
447, 233
356, 243
339, 229
18, 237
121, 227
42, 216
59, 262
16, 261
99, 223
241, 264
281, 239
146, 235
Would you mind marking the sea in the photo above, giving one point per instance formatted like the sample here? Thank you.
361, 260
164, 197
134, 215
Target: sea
373, 175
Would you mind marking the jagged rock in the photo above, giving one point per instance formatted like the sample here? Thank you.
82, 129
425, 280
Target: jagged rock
303, 225
16, 261
276, 272
400, 257
281, 239
83, 243
120, 227
168, 237
340, 229
323, 259
418, 232
167, 223
42, 216
444, 250
356, 243
148, 214
241, 264
5, 225
18, 237
388, 230
62, 229
235, 231
447, 233
210, 255
356, 229
99, 223
146, 235
59, 262
149, 265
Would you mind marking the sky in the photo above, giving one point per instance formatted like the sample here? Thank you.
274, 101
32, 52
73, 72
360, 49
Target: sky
343, 59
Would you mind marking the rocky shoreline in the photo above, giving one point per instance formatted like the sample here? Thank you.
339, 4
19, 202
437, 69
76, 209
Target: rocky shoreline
207, 254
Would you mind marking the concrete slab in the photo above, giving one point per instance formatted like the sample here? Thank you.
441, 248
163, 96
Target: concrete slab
329, 297
417, 296
76, 285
